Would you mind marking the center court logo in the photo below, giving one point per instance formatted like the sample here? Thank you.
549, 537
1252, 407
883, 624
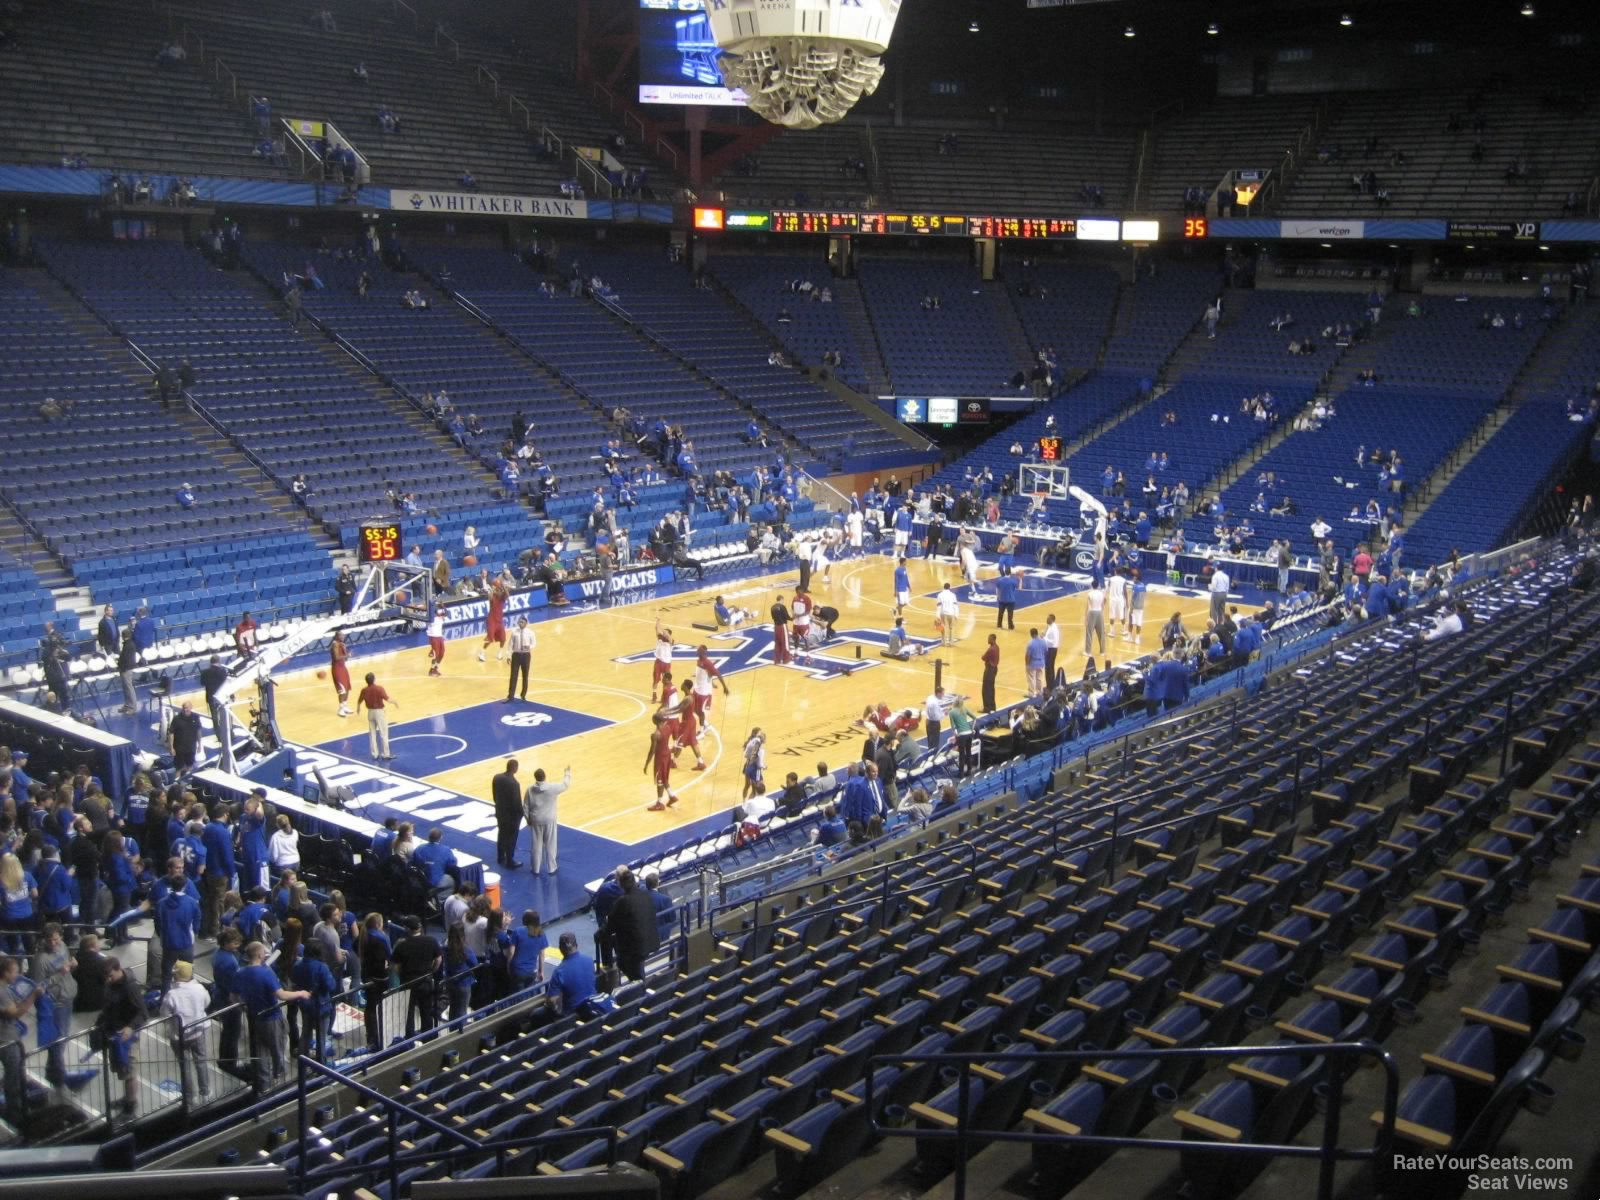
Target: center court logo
748, 649
526, 720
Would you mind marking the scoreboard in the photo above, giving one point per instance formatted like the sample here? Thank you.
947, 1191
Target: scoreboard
924, 224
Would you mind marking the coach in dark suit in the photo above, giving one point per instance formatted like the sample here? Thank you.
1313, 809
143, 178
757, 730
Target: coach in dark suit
507, 815
631, 926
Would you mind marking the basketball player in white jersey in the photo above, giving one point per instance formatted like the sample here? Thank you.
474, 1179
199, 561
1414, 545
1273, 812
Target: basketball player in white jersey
967, 550
854, 526
1116, 603
821, 564
662, 667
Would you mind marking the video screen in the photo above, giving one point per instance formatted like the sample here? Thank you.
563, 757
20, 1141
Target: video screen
912, 410
677, 56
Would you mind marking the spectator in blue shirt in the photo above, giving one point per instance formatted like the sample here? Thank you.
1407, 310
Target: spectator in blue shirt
177, 914
253, 917
20, 900
572, 982
436, 859
383, 840
116, 868
604, 897
261, 992
217, 839
55, 885
312, 976
863, 797
831, 831
663, 903
191, 847
186, 495
224, 972
528, 944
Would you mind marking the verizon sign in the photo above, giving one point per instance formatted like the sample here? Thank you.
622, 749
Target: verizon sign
1325, 231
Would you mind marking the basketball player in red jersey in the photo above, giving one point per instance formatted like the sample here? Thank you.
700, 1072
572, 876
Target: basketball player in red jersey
496, 630
661, 743
704, 672
338, 653
689, 733
669, 692
662, 668
802, 621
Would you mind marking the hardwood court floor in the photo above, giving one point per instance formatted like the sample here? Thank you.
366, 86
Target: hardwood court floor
593, 710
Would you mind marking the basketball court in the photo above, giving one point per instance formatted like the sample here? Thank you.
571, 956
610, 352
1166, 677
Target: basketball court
589, 694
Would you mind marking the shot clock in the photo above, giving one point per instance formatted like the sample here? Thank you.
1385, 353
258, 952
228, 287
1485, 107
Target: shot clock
379, 542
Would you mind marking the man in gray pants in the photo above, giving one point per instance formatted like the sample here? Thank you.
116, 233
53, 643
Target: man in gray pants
1094, 620
539, 805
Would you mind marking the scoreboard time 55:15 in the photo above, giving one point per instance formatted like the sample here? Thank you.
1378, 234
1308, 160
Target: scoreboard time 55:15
379, 542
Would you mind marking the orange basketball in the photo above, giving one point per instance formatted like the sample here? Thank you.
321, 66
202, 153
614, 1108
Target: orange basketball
402, 597
321, 674
470, 560
432, 529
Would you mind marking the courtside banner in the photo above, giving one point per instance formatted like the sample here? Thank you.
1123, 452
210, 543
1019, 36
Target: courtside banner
1327, 231
483, 204
470, 610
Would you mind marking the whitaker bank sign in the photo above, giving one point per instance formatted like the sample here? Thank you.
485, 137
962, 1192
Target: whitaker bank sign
483, 204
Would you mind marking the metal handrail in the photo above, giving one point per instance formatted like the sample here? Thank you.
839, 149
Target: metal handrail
631, 119
308, 156
878, 181
220, 68
597, 178
1328, 1153
399, 5
455, 46
664, 147
494, 80
596, 89
1138, 170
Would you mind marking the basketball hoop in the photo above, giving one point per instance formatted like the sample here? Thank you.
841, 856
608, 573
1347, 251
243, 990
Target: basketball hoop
802, 63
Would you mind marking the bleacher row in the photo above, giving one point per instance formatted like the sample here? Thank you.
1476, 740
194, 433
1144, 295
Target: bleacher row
1234, 881
135, 116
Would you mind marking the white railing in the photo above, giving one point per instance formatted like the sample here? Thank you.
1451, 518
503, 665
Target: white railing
494, 80
583, 168
665, 149
823, 493
400, 6
224, 77
439, 35
310, 160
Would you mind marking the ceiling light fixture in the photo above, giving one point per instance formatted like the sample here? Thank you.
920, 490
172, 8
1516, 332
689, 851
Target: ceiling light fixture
1129, 32
1527, 10
1213, 29
1347, 20
974, 27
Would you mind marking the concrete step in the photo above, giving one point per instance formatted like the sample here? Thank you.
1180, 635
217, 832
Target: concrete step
863, 335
